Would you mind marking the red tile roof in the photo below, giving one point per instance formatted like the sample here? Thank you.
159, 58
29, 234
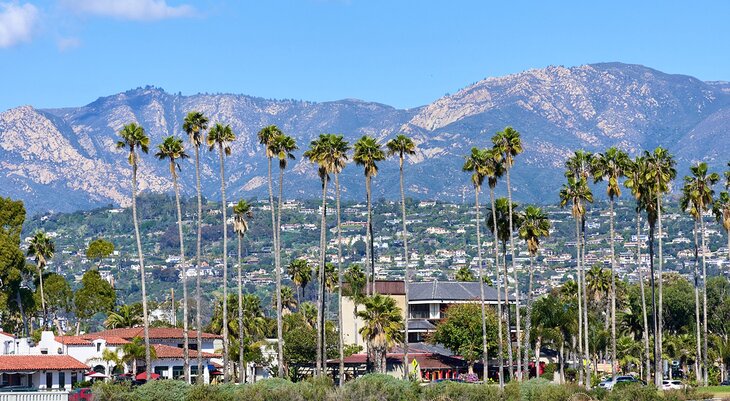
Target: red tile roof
155, 333
73, 340
20, 363
167, 351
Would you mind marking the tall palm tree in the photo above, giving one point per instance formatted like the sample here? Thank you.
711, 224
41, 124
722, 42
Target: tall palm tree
610, 166
403, 146
476, 165
578, 166
699, 189
499, 219
494, 169
383, 326
282, 148
634, 173
134, 138
220, 136
687, 203
41, 248
660, 172
577, 193
194, 125
173, 150
266, 137
300, 273
508, 143
241, 213
535, 225
721, 209
254, 327
367, 153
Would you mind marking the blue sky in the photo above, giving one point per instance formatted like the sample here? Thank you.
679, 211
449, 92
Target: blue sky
56, 53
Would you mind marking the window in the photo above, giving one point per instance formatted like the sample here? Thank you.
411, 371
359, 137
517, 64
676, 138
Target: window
49, 380
74, 379
161, 370
193, 347
98, 347
420, 311
177, 371
61, 379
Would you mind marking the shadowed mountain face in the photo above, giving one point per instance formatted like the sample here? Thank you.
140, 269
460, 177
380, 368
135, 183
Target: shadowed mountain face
65, 159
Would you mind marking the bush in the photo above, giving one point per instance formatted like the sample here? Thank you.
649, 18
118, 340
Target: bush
633, 392
549, 371
275, 389
685, 395
452, 391
163, 390
376, 387
113, 392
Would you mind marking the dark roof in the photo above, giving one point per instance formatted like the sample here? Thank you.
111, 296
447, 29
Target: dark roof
420, 324
451, 291
389, 287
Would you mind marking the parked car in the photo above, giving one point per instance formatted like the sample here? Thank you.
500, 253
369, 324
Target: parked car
673, 385
609, 384
725, 382
81, 394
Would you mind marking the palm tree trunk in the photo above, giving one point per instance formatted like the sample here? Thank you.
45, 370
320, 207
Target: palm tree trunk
660, 311
241, 363
186, 340
341, 370
407, 278
585, 307
514, 272
321, 357
369, 270
652, 283
508, 313
371, 243
580, 299
647, 358
41, 265
499, 296
198, 293
22, 312
145, 319
225, 268
562, 361
279, 317
485, 364
613, 292
704, 296
538, 346
277, 273
698, 369
528, 324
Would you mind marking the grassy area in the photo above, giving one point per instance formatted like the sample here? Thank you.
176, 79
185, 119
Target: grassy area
725, 390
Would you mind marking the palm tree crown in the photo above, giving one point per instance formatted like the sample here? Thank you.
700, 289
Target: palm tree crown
508, 143
133, 137
194, 125
401, 146
476, 163
173, 149
220, 135
241, 212
367, 153
610, 166
535, 225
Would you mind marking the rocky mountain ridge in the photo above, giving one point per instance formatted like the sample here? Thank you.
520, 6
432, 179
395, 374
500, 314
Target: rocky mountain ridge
65, 159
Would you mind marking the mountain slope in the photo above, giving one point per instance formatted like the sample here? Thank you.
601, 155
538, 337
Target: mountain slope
64, 159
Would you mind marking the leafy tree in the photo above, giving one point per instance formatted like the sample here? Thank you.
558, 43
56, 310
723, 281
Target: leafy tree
462, 329
59, 297
220, 136
134, 138
95, 295
12, 262
99, 249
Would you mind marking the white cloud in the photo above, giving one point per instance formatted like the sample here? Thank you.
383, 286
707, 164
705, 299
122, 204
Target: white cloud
17, 23
138, 10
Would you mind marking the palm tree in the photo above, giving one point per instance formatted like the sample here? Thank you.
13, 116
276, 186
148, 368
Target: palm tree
300, 273
509, 144
134, 138
282, 148
476, 164
610, 166
402, 146
721, 209
535, 225
251, 328
194, 125
173, 150
136, 350
126, 316
288, 300
383, 326
659, 173
634, 173
493, 170
577, 193
221, 136
355, 281
367, 154
241, 212
699, 189
687, 203
464, 274
499, 218
266, 136
41, 248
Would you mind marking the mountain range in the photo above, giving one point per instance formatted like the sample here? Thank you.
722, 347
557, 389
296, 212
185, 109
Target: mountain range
65, 159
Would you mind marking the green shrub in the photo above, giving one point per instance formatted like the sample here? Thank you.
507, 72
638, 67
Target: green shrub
222, 392
376, 387
452, 391
686, 395
163, 390
633, 392
549, 371
275, 389
113, 392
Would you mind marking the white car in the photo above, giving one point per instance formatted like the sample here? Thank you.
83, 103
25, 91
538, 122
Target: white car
609, 383
673, 385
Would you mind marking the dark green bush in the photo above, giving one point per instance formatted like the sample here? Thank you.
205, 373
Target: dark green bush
452, 391
163, 390
113, 392
376, 387
633, 392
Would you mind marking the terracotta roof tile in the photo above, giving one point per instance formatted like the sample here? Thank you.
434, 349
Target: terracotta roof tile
73, 340
155, 333
20, 363
167, 351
